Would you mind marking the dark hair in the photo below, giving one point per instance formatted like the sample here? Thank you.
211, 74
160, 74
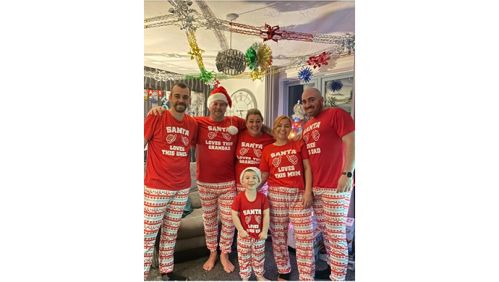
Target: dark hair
253, 112
181, 85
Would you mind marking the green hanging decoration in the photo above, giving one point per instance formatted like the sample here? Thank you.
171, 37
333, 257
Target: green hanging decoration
206, 76
251, 59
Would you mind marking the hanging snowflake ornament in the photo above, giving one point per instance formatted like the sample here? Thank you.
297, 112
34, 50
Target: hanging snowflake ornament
335, 85
305, 74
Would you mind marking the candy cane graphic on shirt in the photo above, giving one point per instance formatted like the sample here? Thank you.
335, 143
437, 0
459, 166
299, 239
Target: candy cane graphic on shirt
258, 152
292, 158
227, 136
243, 151
171, 138
185, 140
276, 162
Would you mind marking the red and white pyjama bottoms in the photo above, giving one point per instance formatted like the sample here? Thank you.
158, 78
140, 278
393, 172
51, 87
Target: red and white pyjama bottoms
215, 197
286, 205
331, 211
250, 254
162, 208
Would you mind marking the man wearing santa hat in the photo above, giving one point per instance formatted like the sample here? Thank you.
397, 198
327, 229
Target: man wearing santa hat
215, 174
215, 151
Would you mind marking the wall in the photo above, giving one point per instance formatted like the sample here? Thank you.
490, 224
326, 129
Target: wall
257, 87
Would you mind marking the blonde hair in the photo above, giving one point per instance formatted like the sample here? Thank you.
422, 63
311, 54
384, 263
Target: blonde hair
279, 119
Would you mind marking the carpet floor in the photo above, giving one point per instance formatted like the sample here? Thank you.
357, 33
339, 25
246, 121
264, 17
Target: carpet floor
193, 269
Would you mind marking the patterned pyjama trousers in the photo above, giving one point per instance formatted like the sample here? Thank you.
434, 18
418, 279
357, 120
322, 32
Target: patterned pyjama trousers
250, 254
330, 209
217, 197
162, 208
286, 205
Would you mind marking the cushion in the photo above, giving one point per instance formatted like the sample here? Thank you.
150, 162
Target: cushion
187, 208
195, 200
191, 225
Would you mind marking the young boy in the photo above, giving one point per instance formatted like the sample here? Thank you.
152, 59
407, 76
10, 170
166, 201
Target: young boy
251, 217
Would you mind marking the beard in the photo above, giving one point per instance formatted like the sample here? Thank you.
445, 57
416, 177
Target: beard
180, 107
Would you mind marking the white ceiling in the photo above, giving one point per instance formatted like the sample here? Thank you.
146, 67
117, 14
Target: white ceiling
166, 47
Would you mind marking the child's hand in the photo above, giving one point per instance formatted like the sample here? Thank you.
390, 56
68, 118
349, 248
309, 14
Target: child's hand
244, 234
262, 235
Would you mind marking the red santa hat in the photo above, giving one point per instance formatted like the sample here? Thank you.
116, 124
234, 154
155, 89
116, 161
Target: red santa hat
219, 94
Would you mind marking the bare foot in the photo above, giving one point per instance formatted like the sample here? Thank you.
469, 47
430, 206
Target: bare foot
228, 266
261, 278
210, 263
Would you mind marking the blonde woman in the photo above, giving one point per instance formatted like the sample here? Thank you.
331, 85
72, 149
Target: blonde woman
286, 168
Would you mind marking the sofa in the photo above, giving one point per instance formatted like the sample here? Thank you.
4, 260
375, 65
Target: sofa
190, 242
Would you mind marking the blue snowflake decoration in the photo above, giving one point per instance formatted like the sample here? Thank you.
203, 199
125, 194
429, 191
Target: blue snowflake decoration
335, 85
305, 74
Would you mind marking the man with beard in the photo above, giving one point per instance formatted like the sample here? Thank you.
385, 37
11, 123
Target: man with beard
215, 160
329, 136
167, 179
215, 173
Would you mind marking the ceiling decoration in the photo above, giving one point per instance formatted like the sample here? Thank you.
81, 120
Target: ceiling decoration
323, 31
231, 62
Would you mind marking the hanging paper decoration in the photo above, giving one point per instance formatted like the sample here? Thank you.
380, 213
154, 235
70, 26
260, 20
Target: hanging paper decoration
146, 95
256, 74
259, 59
164, 103
206, 76
195, 50
297, 120
305, 74
251, 59
264, 55
318, 60
149, 92
231, 61
160, 93
270, 33
335, 85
